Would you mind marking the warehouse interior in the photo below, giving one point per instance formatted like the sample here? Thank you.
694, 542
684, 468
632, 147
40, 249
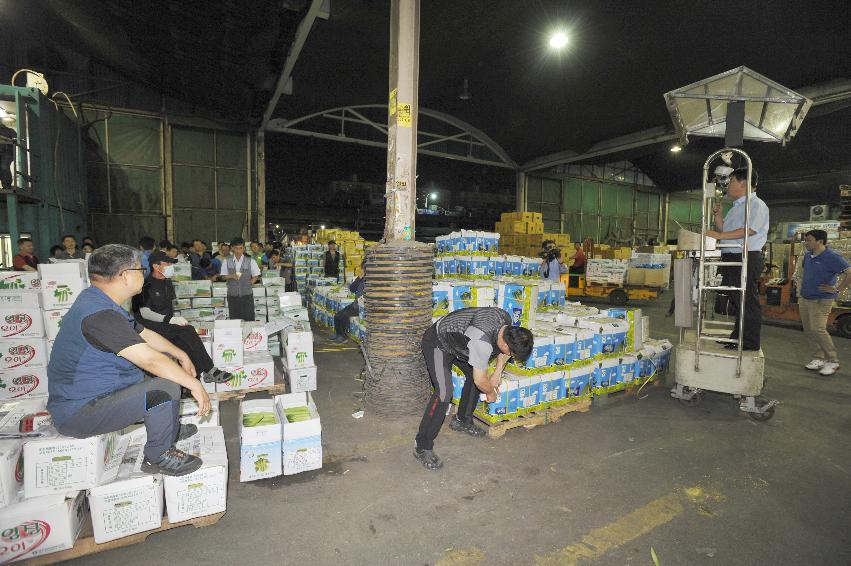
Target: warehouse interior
186, 121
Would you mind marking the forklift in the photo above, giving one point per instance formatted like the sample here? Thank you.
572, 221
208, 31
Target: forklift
779, 297
617, 295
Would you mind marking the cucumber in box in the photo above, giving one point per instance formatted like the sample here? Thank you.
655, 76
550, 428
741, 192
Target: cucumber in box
259, 440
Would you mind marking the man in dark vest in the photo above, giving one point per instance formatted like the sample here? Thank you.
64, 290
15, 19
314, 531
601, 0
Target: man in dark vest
241, 272
468, 339
331, 264
153, 308
107, 372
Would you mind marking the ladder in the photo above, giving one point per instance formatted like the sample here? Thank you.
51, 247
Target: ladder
704, 263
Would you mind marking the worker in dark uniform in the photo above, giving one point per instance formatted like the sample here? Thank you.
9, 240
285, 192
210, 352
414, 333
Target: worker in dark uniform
154, 310
468, 339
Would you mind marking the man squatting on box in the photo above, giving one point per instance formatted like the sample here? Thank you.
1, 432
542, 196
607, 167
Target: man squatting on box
107, 372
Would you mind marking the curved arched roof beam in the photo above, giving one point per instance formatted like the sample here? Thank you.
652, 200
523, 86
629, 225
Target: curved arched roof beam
438, 134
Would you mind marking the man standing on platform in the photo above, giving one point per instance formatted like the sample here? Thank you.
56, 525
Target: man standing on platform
241, 272
731, 230
468, 339
25, 260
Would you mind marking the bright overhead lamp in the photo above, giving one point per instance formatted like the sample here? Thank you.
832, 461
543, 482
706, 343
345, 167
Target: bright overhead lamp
433, 196
322, 227
558, 40
676, 148
737, 105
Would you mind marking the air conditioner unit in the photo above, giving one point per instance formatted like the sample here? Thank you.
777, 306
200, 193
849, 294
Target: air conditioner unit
819, 212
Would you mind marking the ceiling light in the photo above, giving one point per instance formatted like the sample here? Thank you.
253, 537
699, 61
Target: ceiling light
465, 91
676, 149
433, 195
322, 227
558, 40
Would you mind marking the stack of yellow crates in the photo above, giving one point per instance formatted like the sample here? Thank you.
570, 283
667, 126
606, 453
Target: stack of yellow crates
350, 244
522, 233
605, 251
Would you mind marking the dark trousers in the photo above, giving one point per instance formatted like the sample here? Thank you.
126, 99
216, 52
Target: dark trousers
439, 365
154, 400
7, 156
241, 307
731, 276
341, 319
187, 339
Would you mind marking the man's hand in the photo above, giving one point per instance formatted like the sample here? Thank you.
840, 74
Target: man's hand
827, 289
713, 234
178, 320
717, 208
491, 397
502, 359
186, 364
200, 395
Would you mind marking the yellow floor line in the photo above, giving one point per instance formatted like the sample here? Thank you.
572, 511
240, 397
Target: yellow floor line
472, 557
600, 541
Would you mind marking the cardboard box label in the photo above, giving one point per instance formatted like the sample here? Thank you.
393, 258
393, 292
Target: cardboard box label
21, 323
18, 354
20, 280
23, 383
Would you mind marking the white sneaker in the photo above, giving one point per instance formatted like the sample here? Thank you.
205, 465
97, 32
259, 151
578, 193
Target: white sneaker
829, 368
815, 364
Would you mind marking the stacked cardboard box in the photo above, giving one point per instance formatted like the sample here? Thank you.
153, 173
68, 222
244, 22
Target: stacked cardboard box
350, 244
522, 233
301, 433
259, 440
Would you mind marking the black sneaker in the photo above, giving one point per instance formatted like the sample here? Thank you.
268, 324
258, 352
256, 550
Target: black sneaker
173, 462
468, 427
186, 431
216, 375
428, 458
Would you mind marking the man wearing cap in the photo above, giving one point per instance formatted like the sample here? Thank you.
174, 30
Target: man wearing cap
731, 230
155, 311
241, 272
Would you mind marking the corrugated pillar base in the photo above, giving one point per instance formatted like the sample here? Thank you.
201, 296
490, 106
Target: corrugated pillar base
398, 312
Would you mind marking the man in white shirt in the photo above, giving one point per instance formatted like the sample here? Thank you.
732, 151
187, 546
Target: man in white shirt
731, 230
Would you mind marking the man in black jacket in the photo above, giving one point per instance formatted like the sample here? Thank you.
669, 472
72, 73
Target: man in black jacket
154, 310
468, 339
332, 260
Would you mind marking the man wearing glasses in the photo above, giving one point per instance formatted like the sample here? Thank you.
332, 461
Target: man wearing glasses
107, 372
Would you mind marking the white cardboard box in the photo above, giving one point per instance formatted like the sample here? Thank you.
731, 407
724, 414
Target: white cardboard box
42, 525
61, 284
53, 322
227, 330
29, 353
60, 464
301, 379
189, 413
301, 445
227, 353
126, 506
292, 299
23, 382
20, 280
11, 475
11, 412
19, 323
254, 338
297, 346
260, 445
204, 491
257, 370
26, 298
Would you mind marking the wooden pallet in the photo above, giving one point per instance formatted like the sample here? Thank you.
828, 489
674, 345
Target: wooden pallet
533, 419
86, 544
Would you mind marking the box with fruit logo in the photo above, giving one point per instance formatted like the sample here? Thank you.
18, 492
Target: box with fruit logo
20, 280
259, 440
19, 323
61, 284
301, 433
35, 527
256, 371
254, 338
19, 354
227, 353
53, 322
23, 382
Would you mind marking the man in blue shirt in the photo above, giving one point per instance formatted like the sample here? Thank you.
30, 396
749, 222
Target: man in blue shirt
825, 273
552, 264
107, 372
146, 244
731, 230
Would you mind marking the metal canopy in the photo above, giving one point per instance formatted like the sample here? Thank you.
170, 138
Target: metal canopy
438, 134
773, 113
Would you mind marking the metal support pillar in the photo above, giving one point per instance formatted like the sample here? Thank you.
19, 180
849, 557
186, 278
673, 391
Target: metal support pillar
260, 172
402, 120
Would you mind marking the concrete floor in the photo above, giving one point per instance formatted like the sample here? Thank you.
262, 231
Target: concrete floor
699, 485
